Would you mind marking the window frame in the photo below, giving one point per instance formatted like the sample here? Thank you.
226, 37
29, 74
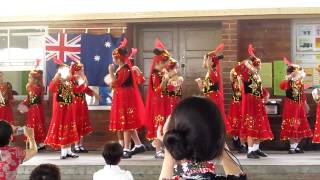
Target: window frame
27, 68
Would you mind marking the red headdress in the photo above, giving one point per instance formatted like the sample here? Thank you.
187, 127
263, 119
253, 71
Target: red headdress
120, 51
36, 73
75, 67
161, 53
255, 61
291, 67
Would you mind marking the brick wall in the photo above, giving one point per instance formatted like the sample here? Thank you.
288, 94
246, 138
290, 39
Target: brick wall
230, 36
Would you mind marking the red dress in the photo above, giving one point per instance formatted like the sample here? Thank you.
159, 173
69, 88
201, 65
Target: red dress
126, 110
172, 98
156, 105
235, 110
35, 115
295, 124
63, 128
255, 122
316, 136
81, 113
213, 89
6, 98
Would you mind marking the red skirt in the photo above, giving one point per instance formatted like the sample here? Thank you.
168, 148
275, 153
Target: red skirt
6, 113
36, 120
80, 108
171, 103
295, 124
255, 122
217, 98
235, 118
124, 110
158, 115
316, 136
62, 130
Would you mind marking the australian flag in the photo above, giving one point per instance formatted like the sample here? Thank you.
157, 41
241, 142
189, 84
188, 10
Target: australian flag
96, 55
94, 51
61, 47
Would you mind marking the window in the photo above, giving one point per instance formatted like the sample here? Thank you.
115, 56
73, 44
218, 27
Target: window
306, 48
19, 48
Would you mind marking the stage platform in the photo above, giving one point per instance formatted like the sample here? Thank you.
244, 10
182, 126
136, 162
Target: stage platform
278, 166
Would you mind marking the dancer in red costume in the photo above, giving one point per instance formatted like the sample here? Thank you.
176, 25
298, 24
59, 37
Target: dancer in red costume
255, 127
63, 131
316, 97
295, 125
127, 109
172, 85
156, 102
212, 85
80, 107
6, 99
235, 111
33, 104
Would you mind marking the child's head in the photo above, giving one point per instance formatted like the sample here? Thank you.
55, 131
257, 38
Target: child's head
5, 133
46, 171
112, 153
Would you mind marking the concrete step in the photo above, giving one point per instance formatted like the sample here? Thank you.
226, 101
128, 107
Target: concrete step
278, 165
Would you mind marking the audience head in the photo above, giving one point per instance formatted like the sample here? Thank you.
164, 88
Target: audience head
5, 133
45, 172
196, 131
112, 153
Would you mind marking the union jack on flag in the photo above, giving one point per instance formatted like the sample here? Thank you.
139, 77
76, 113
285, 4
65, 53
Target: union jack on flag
63, 47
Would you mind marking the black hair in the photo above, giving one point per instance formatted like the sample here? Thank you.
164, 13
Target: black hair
112, 153
45, 172
290, 69
5, 133
196, 131
158, 51
123, 52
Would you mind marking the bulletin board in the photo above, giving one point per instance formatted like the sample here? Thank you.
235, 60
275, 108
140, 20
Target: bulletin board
306, 48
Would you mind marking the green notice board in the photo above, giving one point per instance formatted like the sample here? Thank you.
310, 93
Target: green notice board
266, 75
279, 73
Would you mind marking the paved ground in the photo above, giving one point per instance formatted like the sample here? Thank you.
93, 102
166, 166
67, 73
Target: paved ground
279, 165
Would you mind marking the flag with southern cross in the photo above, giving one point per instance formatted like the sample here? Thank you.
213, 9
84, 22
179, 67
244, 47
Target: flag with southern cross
96, 55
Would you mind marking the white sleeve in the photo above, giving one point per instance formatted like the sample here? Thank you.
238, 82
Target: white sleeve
129, 175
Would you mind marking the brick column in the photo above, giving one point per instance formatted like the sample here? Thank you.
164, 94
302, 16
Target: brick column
229, 36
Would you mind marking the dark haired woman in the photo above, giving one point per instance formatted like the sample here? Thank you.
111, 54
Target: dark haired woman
127, 109
212, 85
194, 137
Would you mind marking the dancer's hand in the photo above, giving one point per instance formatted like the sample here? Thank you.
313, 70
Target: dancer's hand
111, 68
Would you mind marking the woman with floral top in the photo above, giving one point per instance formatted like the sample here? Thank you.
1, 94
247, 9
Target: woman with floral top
194, 136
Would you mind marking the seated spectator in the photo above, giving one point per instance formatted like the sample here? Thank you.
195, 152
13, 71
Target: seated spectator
194, 136
112, 154
11, 157
45, 172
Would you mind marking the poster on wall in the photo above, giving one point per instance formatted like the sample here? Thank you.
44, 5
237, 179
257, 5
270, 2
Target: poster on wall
305, 44
266, 75
305, 38
280, 71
